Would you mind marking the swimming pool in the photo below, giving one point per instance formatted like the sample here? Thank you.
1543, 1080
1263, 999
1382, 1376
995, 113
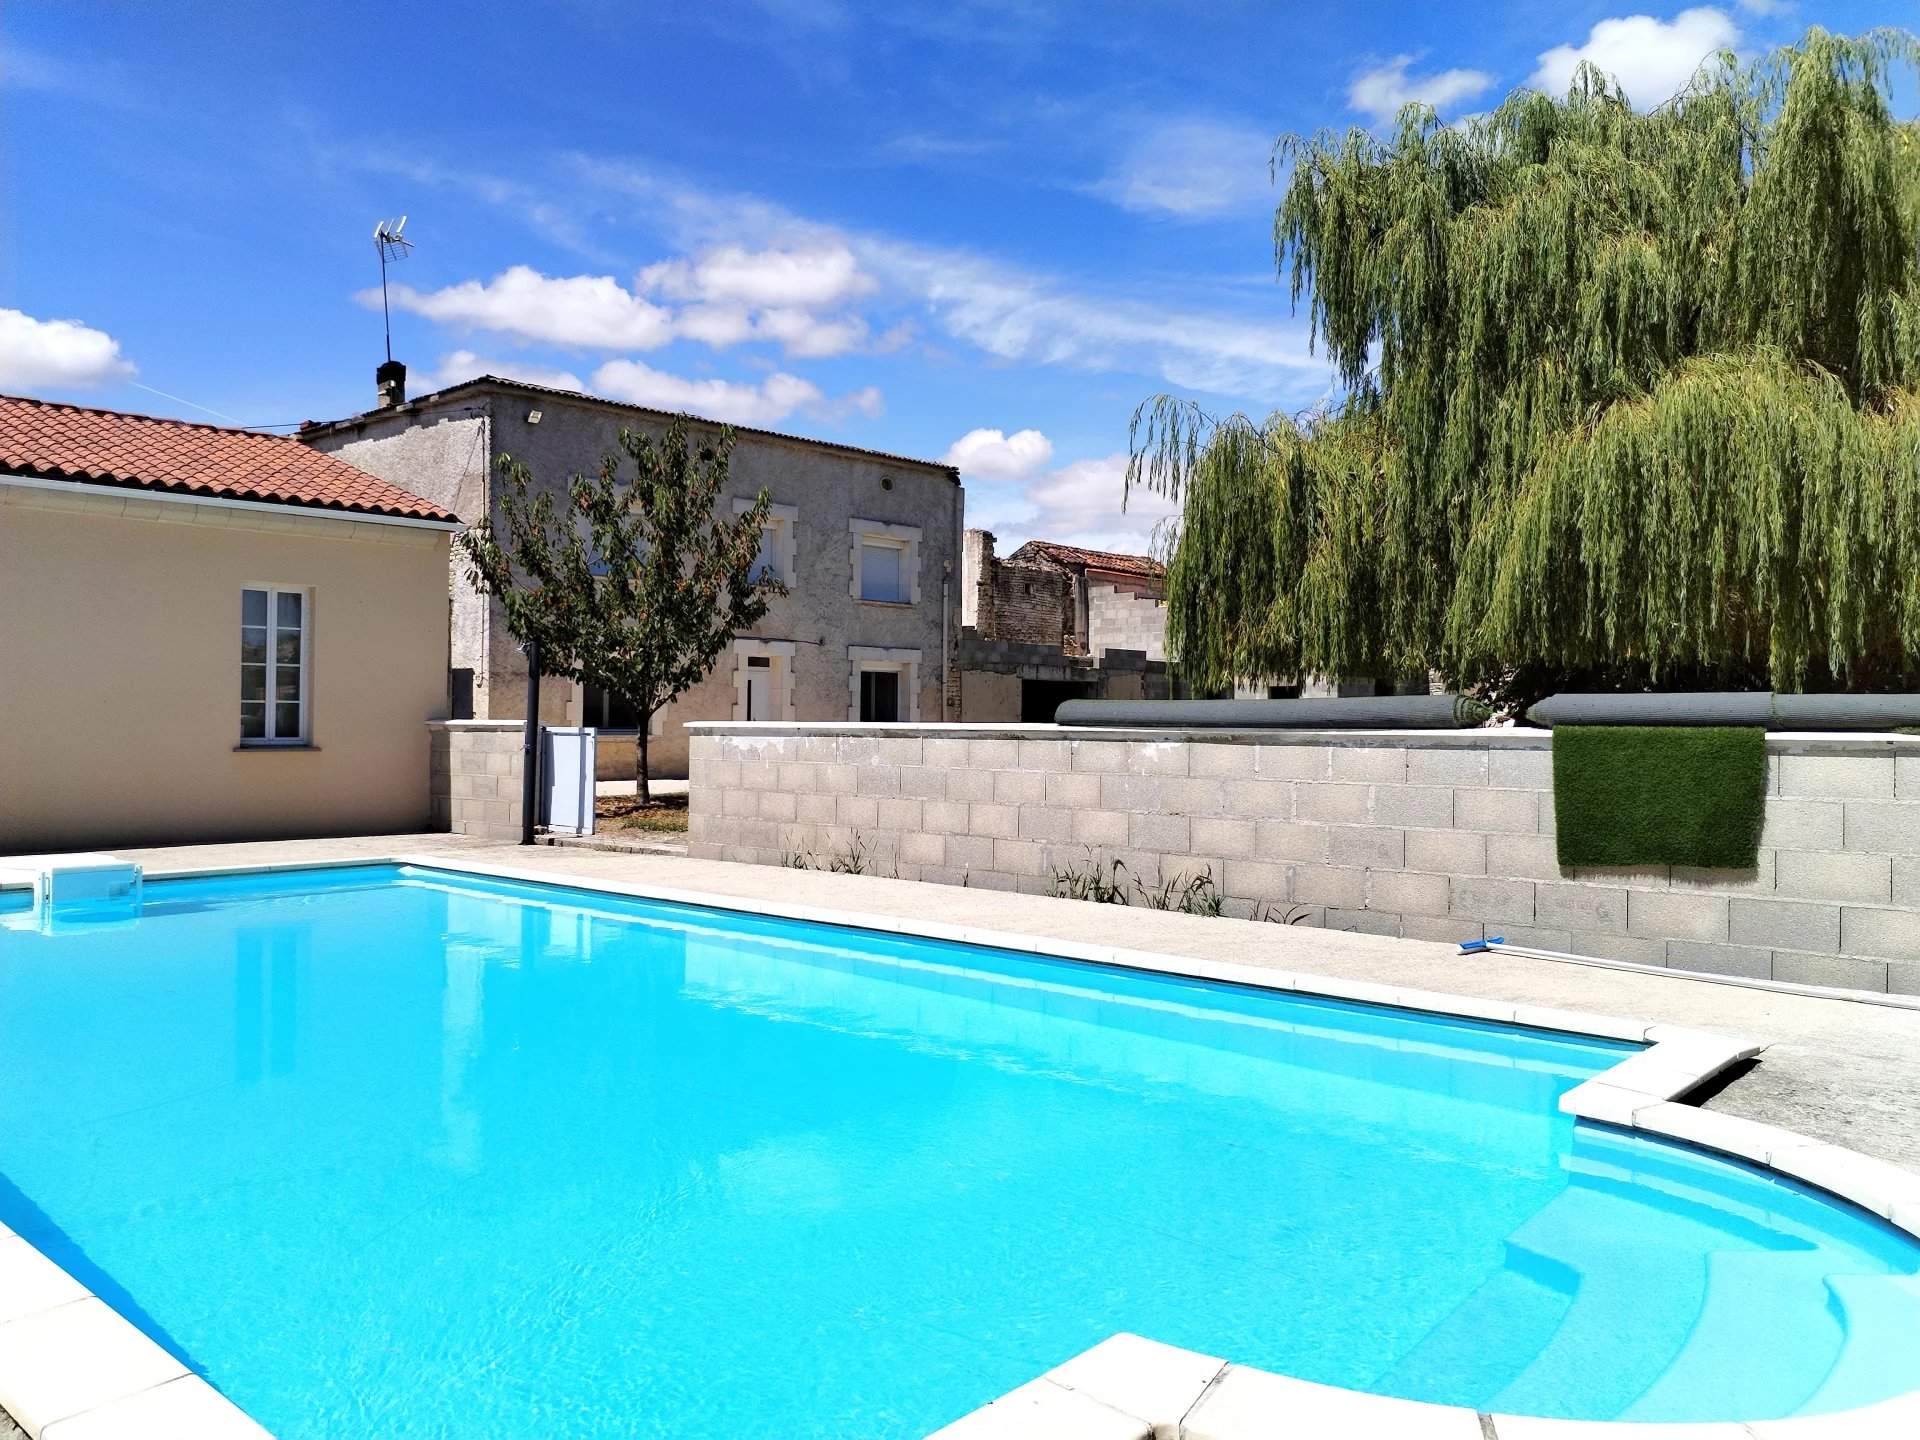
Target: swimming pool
401, 1152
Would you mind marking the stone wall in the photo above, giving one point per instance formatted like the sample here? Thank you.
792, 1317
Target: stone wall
1431, 835
1032, 605
475, 766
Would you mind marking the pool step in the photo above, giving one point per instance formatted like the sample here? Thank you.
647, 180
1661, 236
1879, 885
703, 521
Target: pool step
1735, 1339
1627, 1317
1516, 1300
1872, 1305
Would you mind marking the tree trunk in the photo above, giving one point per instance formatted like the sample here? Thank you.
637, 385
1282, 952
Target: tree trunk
640, 790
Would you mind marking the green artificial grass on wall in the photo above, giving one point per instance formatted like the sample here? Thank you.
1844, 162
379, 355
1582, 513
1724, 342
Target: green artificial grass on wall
1634, 796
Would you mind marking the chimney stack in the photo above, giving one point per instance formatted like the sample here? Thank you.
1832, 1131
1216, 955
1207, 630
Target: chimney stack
391, 380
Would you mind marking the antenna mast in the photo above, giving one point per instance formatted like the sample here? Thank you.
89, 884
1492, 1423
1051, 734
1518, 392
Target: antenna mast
392, 245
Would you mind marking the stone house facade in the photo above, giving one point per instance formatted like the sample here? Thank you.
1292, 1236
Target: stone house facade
867, 544
1054, 622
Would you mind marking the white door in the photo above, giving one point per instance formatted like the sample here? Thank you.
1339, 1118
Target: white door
759, 687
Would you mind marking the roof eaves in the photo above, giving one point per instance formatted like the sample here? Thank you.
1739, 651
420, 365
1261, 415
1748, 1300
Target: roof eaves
434, 398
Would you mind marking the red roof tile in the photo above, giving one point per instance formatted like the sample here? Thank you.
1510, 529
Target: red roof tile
1072, 557
144, 452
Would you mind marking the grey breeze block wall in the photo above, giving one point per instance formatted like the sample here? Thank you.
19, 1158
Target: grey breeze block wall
1126, 620
1432, 835
476, 781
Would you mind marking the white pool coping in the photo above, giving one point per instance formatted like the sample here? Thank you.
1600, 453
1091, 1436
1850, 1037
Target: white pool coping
71, 1368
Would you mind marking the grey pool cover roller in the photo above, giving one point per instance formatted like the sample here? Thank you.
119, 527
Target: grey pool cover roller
1356, 712
1760, 708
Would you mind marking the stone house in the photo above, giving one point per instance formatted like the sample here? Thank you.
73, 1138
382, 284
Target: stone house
1054, 622
209, 634
867, 544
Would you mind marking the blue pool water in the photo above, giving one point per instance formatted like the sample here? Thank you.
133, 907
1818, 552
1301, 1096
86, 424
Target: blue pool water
397, 1153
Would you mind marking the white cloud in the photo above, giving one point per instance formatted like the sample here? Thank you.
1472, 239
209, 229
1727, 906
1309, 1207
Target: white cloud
589, 311
719, 327
1077, 504
774, 398
466, 365
817, 277
1381, 92
1195, 169
995, 455
57, 354
734, 295
1012, 314
801, 333
1652, 59
1027, 318
742, 403
866, 401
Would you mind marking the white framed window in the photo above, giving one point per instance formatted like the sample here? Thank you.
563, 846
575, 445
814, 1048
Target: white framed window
274, 660
886, 563
776, 540
763, 679
883, 684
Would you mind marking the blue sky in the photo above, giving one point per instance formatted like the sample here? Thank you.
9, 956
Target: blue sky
975, 229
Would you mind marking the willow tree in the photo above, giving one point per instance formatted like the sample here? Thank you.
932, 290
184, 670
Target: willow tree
1627, 399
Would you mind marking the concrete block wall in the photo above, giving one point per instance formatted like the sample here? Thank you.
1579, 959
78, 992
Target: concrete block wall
476, 772
1119, 619
1433, 835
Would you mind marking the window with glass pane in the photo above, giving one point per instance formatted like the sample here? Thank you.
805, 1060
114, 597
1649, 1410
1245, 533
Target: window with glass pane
880, 695
766, 565
880, 572
273, 665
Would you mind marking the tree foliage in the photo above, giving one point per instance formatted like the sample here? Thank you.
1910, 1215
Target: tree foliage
638, 586
1632, 398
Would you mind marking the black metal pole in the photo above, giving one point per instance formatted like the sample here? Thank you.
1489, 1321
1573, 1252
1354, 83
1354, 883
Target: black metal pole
530, 750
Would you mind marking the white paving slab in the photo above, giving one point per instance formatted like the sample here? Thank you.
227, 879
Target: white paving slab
30, 1283
1140, 1376
74, 1358
1526, 1427
1042, 1410
184, 1409
1247, 1404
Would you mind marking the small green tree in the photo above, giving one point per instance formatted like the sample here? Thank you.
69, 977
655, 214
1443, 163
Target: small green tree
639, 586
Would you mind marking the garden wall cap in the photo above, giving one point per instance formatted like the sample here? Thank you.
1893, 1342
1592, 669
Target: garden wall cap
1764, 708
1353, 712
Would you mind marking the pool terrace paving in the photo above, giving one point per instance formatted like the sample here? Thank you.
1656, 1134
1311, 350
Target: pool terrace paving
1840, 1071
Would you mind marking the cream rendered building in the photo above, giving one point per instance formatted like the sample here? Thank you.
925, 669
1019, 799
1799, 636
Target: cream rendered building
208, 634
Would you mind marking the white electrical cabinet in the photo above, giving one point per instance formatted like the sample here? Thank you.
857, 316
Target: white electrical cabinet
566, 767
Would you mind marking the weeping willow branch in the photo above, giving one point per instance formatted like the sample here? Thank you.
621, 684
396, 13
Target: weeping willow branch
1626, 394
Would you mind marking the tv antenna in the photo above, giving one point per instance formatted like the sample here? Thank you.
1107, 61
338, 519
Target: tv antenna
392, 245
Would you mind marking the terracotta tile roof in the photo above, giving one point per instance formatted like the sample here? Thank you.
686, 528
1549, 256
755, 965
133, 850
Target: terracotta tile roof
1072, 557
144, 452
